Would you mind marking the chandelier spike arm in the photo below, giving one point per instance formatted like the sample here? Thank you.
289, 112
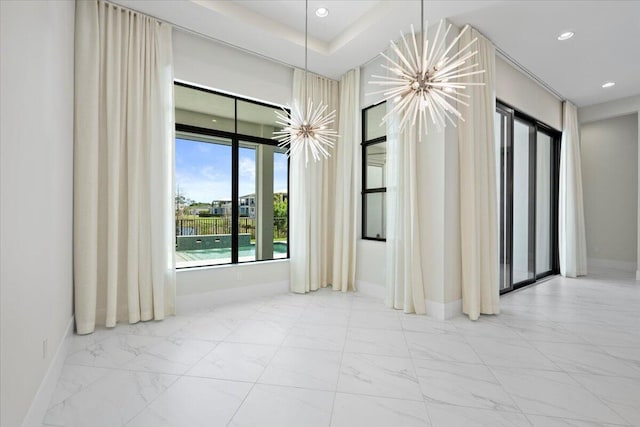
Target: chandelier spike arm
461, 51
425, 49
438, 48
435, 44
455, 40
416, 58
397, 72
403, 59
415, 64
454, 74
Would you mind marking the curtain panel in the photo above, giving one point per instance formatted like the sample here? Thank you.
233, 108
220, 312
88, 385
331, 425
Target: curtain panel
346, 181
478, 195
312, 189
123, 167
572, 242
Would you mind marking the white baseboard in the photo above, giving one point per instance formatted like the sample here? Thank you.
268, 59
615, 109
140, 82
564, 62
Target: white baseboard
199, 301
443, 311
371, 289
611, 264
40, 403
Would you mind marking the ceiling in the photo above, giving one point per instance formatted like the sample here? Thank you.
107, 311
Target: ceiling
606, 46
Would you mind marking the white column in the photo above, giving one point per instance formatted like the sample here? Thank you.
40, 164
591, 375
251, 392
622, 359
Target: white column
264, 202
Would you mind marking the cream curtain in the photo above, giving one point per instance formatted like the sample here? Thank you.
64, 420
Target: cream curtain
123, 167
478, 213
346, 181
312, 199
405, 289
571, 233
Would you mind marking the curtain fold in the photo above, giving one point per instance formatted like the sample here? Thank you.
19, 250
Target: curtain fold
571, 232
123, 167
346, 179
478, 213
405, 289
312, 198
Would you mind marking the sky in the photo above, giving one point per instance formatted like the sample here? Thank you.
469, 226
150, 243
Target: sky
203, 171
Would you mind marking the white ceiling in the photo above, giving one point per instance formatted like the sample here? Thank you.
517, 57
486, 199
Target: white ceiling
606, 45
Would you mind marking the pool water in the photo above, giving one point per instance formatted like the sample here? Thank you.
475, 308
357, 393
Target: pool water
224, 254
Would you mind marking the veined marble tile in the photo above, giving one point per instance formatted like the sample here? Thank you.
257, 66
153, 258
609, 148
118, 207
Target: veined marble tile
235, 361
422, 323
173, 355
75, 378
111, 401
238, 310
113, 351
277, 406
194, 402
81, 342
449, 347
620, 394
486, 326
586, 358
510, 353
350, 410
379, 376
462, 384
553, 394
363, 302
325, 316
156, 328
320, 337
278, 312
260, 332
631, 355
293, 299
208, 328
388, 319
544, 331
382, 342
604, 334
458, 416
540, 421
298, 367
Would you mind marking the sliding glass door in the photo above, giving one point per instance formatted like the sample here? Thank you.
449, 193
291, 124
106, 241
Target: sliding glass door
528, 192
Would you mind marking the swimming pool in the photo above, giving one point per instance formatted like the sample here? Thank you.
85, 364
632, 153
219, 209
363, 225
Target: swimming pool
223, 255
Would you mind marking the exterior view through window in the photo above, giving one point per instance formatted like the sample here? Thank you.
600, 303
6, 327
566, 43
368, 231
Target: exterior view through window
231, 179
374, 182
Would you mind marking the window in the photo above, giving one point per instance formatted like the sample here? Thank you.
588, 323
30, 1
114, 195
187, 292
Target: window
232, 180
374, 159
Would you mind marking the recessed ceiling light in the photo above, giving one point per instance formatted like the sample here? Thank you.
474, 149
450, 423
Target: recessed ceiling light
321, 12
566, 35
608, 84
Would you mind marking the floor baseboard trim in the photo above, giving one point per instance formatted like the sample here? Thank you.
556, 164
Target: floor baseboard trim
40, 404
198, 301
443, 311
370, 289
610, 264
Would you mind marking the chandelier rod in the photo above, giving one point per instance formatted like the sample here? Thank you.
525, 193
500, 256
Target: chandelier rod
306, 19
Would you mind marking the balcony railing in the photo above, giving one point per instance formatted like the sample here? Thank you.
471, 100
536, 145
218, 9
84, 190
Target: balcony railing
222, 225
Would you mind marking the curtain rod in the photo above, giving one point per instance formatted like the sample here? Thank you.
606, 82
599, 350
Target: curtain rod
529, 74
208, 37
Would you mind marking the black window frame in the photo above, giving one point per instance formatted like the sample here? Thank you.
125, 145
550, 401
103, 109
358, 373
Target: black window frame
512, 114
367, 143
236, 139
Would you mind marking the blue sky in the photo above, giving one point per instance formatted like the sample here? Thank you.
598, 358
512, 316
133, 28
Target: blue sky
203, 171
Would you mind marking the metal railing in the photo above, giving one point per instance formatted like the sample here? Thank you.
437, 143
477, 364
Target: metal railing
222, 225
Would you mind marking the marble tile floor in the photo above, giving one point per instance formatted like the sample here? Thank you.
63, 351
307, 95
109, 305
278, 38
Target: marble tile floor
565, 352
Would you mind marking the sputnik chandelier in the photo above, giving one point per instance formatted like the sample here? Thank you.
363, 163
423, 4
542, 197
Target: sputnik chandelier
423, 82
308, 132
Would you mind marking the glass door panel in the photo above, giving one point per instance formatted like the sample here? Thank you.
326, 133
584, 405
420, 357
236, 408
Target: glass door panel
523, 214
503, 168
543, 204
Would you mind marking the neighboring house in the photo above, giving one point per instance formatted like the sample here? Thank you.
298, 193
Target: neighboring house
248, 205
221, 207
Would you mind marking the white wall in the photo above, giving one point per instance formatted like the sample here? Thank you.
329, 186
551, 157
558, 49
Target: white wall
610, 183
216, 66
519, 91
36, 114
